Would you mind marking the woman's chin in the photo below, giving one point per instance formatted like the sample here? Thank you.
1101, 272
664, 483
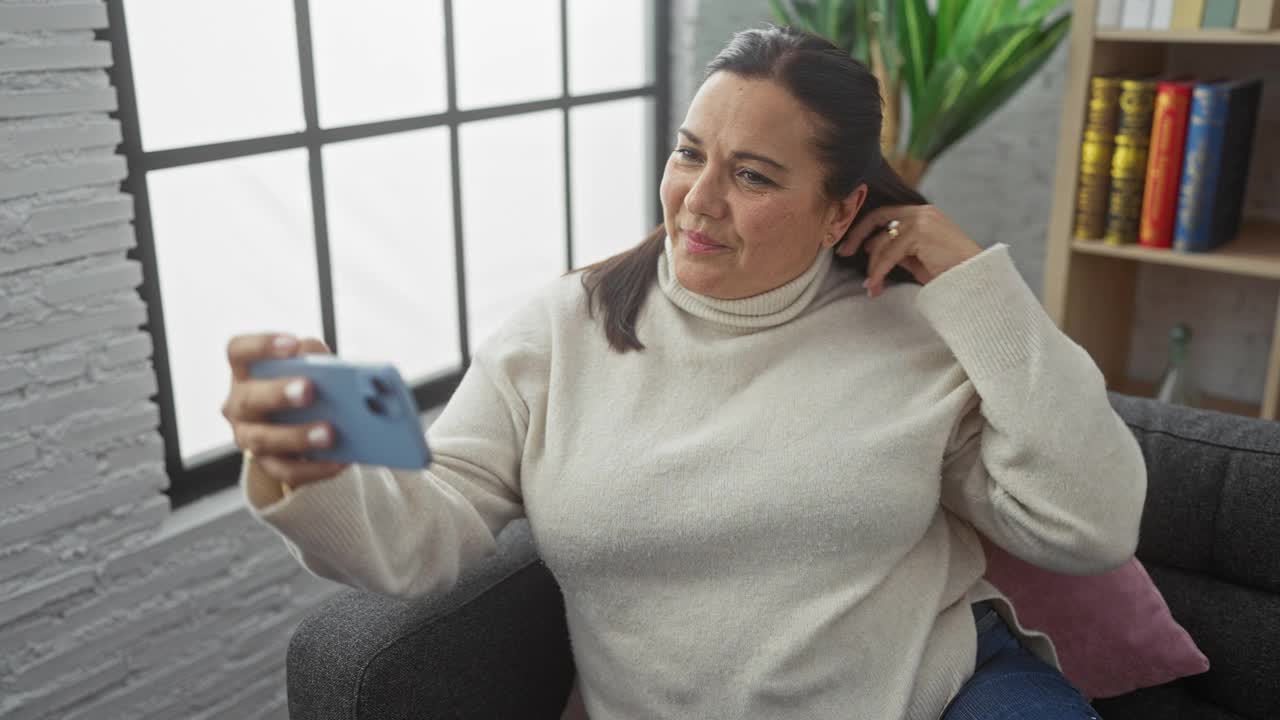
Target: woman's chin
701, 280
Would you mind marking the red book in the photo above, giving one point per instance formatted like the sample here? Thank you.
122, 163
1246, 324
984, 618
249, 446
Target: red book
1164, 164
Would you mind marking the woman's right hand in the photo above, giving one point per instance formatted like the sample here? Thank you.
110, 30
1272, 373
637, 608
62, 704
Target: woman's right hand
275, 447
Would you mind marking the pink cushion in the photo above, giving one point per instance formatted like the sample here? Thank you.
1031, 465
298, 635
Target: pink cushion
1113, 632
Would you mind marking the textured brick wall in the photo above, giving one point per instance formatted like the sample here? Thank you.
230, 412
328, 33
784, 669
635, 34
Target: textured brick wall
111, 605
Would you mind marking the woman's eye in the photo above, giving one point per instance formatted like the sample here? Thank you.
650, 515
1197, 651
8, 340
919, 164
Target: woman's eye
751, 176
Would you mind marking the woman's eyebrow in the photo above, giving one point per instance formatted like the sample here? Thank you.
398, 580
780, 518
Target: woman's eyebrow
739, 153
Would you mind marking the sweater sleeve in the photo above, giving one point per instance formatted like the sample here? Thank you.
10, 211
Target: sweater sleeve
412, 533
1038, 461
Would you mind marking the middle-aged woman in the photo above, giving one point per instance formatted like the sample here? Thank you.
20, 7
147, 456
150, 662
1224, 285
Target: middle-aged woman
756, 449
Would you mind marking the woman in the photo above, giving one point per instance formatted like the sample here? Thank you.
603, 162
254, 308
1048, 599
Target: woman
756, 449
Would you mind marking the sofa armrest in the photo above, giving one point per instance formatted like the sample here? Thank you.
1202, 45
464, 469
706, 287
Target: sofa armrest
495, 646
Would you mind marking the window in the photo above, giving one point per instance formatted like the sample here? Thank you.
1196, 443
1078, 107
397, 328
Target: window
351, 171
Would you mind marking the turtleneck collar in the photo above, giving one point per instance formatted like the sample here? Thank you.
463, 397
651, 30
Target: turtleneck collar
765, 310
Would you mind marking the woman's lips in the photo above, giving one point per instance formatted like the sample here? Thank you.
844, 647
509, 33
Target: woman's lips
700, 243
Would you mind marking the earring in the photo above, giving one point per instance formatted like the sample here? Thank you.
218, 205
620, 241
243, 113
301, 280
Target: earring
830, 240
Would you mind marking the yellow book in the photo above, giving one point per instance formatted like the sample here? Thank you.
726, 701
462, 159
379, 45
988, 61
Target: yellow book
1128, 178
1129, 161
1093, 189
1187, 14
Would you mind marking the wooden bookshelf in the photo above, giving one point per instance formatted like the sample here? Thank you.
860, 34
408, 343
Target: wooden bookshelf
1220, 37
1255, 252
1089, 286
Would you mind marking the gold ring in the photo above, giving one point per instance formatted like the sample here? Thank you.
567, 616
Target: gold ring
893, 228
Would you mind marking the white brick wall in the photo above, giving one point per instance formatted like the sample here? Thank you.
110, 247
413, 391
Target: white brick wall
111, 605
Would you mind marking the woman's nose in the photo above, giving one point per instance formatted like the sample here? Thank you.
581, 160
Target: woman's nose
705, 197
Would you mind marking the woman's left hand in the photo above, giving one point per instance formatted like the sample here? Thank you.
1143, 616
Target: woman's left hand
927, 243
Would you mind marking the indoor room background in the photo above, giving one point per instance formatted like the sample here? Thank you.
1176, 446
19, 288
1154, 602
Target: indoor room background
393, 177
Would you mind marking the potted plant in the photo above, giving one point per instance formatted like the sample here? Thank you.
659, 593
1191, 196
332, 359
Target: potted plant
957, 66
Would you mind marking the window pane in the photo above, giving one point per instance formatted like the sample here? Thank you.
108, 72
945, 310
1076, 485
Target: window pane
609, 45
377, 60
214, 71
613, 183
390, 211
508, 51
236, 254
512, 213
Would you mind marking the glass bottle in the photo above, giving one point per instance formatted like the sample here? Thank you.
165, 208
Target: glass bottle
1177, 385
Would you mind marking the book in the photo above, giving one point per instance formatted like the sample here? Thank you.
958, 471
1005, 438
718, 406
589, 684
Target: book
1258, 15
1216, 163
1164, 164
1096, 149
1129, 162
1219, 14
1136, 15
1162, 15
1187, 14
1108, 13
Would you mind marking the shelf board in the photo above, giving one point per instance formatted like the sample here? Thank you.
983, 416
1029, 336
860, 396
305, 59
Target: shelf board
1255, 252
1142, 388
1220, 37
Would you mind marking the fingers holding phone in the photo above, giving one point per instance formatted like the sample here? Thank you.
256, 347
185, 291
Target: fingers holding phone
276, 447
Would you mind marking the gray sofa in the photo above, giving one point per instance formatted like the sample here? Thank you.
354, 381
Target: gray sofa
497, 646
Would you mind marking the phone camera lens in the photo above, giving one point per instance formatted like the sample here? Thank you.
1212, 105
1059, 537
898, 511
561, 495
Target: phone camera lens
375, 405
380, 386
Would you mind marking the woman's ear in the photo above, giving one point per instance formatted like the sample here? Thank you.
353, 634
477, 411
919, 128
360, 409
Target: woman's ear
844, 211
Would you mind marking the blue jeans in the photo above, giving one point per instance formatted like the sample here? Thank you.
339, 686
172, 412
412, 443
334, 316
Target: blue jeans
1011, 683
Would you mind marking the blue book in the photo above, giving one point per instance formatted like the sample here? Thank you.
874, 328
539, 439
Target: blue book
1215, 164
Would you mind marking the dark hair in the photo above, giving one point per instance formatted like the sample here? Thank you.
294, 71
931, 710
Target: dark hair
839, 90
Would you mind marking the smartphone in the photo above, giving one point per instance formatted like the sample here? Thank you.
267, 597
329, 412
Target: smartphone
371, 410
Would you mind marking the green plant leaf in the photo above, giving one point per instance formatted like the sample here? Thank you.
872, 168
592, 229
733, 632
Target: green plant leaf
1036, 11
994, 52
946, 85
915, 31
949, 13
860, 30
780, 13
954, 85
1005, 52
820, 18
1016, 74
847, 28
829, 17
974, 20
1003, 86
1005, 12
836, 20
881, 15
806, 15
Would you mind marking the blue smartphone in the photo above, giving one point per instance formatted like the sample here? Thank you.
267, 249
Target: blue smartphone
372, 412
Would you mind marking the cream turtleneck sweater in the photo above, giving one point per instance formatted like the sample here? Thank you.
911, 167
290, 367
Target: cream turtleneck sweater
769, 512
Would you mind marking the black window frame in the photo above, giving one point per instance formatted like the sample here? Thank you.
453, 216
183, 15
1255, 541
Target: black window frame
219, 469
